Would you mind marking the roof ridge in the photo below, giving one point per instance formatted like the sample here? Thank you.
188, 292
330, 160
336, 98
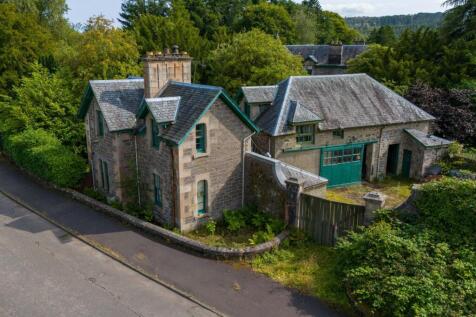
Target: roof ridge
163, 98
210, 87
116, 80
329, 76
289, 79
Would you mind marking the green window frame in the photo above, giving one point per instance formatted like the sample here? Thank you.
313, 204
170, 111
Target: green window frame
157, 191
305, 134
100, 123
201, 138
154, 134
104, 170
340, 156
202, 197
338, 133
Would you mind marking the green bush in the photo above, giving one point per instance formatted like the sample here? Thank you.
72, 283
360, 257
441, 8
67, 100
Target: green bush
448, 207
397, 273
234, 220
42, 154
88, 191
211, 226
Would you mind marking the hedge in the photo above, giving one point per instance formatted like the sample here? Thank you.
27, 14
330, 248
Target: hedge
42, 154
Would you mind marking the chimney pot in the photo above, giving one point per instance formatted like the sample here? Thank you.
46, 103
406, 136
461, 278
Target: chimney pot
167, 51
175, 50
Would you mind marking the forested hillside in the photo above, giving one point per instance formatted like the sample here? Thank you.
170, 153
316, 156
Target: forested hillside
398, 22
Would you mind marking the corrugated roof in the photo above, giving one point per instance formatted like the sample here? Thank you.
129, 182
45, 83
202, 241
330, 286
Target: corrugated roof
341, 101
118, 101
259, 94
320, 53
164, 109
427, 140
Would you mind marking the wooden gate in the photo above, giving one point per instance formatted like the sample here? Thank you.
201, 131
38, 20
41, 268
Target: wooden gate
326, 220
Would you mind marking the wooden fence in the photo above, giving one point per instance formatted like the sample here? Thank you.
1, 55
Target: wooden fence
327, 220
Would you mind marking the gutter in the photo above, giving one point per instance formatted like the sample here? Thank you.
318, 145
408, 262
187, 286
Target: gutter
137, 171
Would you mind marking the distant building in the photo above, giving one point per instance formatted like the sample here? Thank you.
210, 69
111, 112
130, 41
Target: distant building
326, 59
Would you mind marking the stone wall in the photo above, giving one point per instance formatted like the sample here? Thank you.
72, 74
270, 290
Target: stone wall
158, 161
377, 152
221, 166
104, 148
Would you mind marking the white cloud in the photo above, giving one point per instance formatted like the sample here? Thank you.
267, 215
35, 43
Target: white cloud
351, 9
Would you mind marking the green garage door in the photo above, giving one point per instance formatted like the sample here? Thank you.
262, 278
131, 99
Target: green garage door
342, 164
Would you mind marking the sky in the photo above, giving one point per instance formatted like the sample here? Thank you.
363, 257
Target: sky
81, 10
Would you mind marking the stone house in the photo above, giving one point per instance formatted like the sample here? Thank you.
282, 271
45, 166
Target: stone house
178, 145
326, 59
346, 128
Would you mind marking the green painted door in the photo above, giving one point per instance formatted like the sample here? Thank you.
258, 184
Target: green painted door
342, 165
406, 163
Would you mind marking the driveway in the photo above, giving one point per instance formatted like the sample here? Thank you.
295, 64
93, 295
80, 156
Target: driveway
232, 291
46, 272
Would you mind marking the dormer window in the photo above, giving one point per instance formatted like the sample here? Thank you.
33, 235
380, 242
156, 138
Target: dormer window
201, 138
305, 134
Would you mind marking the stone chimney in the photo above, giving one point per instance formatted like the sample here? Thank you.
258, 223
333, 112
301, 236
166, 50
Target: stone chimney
161, 67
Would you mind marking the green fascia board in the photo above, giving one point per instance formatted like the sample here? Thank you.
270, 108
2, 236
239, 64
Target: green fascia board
319, 147
86, 99
143, 110
230, 103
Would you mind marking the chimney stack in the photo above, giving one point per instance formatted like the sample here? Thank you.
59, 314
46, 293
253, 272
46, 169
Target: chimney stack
161, 67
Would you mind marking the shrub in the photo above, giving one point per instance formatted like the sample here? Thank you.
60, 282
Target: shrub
88, 191
449, 208
42, 154
234, 220
398, 272
211, 226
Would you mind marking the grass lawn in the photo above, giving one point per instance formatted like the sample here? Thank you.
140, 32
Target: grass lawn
222, 237
397, 191
309, 268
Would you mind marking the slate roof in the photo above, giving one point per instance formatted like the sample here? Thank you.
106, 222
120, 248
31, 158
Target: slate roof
427, 140
259, 94
194, 99
163, 109
320, 53
118, 101
341, 101
300, 114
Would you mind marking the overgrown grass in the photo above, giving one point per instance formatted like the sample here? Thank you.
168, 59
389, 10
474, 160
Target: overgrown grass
222, 237
307, 267
397, 191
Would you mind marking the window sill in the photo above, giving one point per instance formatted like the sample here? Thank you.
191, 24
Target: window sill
202, 216
200, 155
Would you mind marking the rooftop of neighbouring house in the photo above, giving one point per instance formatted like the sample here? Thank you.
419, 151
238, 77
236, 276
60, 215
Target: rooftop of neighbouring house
339, 101
259, 94
319, 54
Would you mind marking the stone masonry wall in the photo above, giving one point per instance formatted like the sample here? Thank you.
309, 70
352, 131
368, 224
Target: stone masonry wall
385, 136
221, 166
102, 148
160, 162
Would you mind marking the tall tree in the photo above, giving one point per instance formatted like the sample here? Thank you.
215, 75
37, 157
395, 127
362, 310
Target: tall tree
154, 33
102, 52
460, 20
23, 41
131, 10
331, 27
383, 35
243, 62
270, 18
45, 101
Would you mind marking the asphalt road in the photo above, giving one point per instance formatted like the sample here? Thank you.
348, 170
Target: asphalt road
46, 272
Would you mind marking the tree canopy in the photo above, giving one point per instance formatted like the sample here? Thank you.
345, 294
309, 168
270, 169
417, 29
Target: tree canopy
243, 63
